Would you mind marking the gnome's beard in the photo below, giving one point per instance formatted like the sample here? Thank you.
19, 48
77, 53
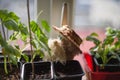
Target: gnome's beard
61, 50
57, 51
70, 49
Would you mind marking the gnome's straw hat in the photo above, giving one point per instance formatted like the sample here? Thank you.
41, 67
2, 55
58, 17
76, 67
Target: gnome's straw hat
70, 34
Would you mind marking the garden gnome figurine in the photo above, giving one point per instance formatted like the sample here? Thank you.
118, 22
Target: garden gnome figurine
70, 41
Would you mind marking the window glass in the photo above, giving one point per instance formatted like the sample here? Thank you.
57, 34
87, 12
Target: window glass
19, 7
96, 13
81, 12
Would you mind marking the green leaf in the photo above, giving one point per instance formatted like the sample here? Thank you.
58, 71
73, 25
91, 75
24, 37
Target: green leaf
94, 34
13, 16
11, 25
117, 45
34, 26
110, 32
97, 55
11, 50
45, 25
23, 29
25, 57
13, 36
95, 40
3, 14
37, 31
13, 59
41, 54
108, 40
2, 40
17, 47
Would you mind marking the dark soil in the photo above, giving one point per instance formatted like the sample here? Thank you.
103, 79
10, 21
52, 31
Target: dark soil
42, 70
12, 75
38, 76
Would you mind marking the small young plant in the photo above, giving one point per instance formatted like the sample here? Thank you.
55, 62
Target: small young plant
10, 21
39, 38
107, 49
13, 52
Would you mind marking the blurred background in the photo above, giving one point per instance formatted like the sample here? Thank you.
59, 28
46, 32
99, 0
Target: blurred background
84, 16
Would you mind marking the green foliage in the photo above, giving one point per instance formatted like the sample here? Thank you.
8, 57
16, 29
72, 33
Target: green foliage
11, 21
45, 25
93, 37
109, 46
40, 39
5, 15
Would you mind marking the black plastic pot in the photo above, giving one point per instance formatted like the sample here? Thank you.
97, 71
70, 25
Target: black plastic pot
42, 71
99, 75
14, 72
1, 58
71, 70
112, 66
